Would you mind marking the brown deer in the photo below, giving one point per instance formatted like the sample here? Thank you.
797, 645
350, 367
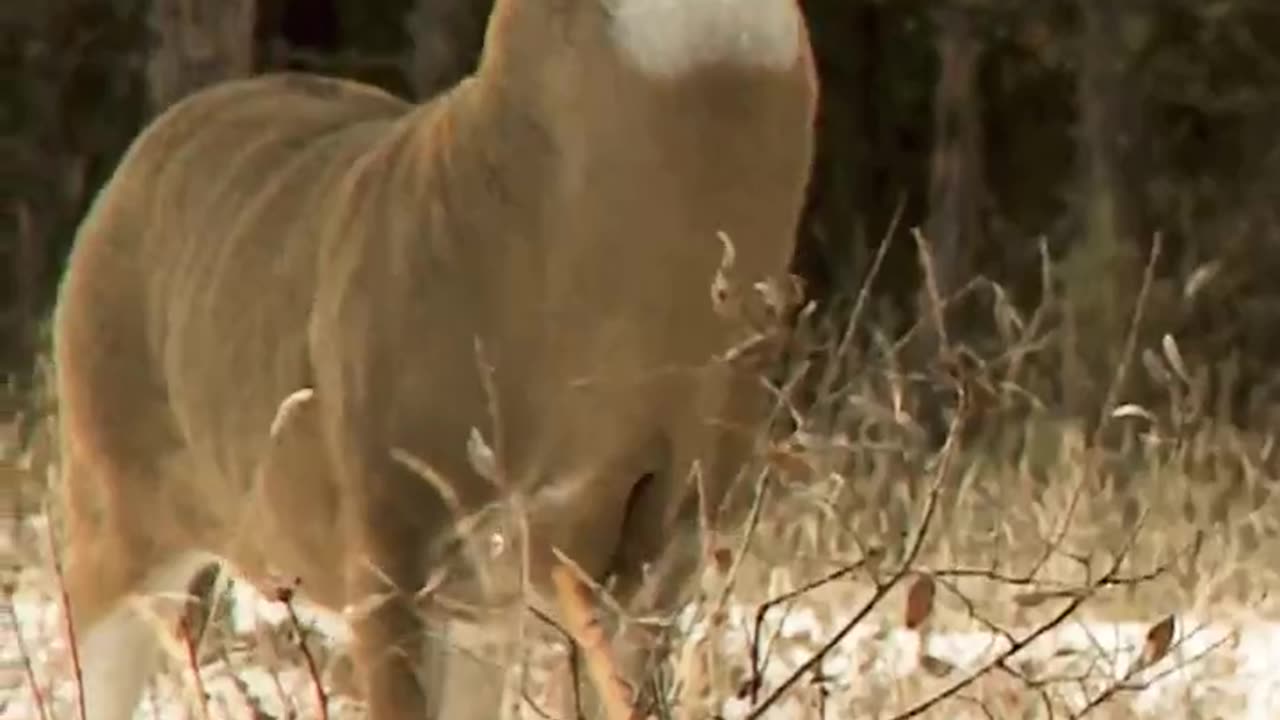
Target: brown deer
519, 269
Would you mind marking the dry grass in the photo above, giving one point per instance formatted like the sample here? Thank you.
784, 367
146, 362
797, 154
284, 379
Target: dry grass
826, 609
823, 612
1022, 563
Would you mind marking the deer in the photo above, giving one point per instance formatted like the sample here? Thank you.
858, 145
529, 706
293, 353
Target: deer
308, 327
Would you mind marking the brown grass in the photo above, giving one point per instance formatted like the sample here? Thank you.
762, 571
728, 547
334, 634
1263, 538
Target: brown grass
1023, 524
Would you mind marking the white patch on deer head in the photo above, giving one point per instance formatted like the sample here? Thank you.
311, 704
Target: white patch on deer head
667, 38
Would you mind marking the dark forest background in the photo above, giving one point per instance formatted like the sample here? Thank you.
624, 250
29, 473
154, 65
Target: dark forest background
1042, 150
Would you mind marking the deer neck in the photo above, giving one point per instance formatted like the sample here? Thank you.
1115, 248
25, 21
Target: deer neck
616, 101
588, 159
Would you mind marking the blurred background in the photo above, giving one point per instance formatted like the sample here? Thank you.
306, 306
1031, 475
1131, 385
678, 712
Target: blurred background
1041, 150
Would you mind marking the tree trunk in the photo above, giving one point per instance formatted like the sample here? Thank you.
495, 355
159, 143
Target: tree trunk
833, 249
957, 182
24, 259
447, 37
69, 98
953, 227
1105, 269
1110, 125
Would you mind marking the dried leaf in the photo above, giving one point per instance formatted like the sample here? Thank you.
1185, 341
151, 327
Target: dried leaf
366, 605
289, 407
1030, 669
1159, 640
872, 559
1132, 410
721, 289
497, 545
936, 666
481, 456
920, 601
720, 297
1155, 367
1174, 356
722, 559
798, 290
775, 297
729, 253
284, 594
1200, 278
434, 582
715, 573
1008, 321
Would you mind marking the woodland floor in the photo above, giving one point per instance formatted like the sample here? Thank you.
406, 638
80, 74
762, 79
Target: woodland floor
1216, 668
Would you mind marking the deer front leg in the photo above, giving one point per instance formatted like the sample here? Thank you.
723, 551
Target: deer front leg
655, 569
705, 486
392, 520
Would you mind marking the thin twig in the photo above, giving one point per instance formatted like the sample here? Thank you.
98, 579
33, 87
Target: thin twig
285, 596
941, 473
64, 597
1126, 684
1001, 659
28, 667
933, 291
744, 545
575, 669
864, 292
1131, 338
193, 663
757, 669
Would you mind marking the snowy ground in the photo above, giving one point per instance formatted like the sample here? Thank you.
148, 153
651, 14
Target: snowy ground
1222, 665
876, 671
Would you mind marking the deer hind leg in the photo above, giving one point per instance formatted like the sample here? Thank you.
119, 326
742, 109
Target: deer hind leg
112, 569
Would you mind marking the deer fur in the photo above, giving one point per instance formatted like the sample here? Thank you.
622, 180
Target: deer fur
506, 288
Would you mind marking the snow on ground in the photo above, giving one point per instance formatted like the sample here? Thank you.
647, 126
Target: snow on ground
874, 672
